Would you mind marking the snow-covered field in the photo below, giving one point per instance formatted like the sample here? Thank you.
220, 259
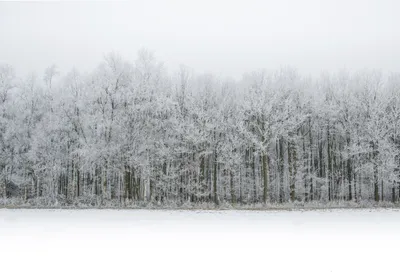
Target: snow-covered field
147, 240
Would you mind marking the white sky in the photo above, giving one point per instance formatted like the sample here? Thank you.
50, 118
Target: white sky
223, 37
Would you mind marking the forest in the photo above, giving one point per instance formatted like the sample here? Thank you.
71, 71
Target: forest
132, 133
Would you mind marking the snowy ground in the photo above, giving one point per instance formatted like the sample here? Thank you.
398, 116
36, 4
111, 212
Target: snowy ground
147, 240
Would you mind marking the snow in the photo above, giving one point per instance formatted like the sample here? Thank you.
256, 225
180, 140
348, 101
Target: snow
153, 240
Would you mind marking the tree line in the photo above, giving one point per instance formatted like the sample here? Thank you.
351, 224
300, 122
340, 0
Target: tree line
130, 132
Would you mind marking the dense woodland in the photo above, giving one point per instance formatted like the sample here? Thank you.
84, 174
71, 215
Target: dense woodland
131, 132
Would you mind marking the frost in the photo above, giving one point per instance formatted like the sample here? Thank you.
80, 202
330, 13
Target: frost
132, 134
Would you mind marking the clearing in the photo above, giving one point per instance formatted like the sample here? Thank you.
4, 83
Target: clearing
150, 240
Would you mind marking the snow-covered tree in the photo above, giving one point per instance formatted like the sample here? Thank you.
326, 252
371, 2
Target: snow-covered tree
130, 133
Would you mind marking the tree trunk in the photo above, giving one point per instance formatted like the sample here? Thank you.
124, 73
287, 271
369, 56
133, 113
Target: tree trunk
265, 176
281, 169
306, 169
292, 169
233, 196
216, 199
127, 183
329, 170
311, 172
349, 169
375, 163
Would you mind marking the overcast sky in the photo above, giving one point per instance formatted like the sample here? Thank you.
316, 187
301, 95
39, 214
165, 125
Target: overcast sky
223, 37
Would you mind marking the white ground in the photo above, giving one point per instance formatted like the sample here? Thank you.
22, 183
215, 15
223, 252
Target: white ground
138, 240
